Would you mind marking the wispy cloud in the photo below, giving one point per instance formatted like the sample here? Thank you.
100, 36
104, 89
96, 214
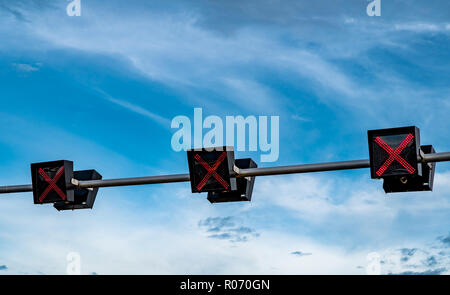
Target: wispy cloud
300, 118
251, 94
420, 27
184, 52
26, 68
164, 122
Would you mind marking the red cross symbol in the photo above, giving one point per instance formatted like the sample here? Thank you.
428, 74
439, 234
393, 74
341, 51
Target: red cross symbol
52, 184
211, 171
394, 155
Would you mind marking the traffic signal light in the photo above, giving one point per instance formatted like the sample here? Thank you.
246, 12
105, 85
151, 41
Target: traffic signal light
211, 169
51, 181
413, 183
393, 152
83, 198
244, 186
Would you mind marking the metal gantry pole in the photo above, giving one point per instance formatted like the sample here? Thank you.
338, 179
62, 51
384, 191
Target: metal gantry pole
264, 171
16, 189
436, 157
134, 181
305, 168
242, 173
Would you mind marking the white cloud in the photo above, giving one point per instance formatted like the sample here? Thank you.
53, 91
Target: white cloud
26, 68
137, 109
421, 27
433, 258
354, 212
349, 20
115, 239
250, 94
177, 51
208, 68
315, 198
319, 197
120, 236
300, 118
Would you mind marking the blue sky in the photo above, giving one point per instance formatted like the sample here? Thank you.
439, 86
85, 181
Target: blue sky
102, 88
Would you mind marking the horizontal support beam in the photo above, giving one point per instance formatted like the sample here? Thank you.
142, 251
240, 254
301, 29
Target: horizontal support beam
305, 168
242, 173
134, 181
16, 189
436, 157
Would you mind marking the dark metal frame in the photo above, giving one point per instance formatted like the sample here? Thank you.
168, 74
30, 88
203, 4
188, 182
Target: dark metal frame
306, 168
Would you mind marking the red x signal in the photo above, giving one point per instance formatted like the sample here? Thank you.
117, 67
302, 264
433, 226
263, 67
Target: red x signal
211, 171
52, 184
394, 155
